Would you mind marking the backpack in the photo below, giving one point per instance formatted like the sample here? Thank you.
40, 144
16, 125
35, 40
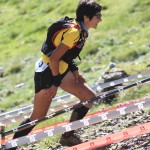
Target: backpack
64, 23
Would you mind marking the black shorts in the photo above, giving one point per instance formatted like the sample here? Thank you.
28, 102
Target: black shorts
43, 80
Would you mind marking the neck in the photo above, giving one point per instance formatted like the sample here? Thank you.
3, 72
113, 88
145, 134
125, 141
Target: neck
86, 25
84, 28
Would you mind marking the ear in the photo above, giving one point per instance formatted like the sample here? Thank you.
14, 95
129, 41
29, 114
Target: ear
86, 18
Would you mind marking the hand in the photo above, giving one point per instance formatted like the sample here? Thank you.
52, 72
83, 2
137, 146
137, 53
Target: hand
78, 77
51, 92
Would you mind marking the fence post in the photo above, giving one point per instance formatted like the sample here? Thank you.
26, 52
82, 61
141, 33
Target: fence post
2, 132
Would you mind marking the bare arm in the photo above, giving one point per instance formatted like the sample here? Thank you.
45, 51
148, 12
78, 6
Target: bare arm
54, 65
55, 57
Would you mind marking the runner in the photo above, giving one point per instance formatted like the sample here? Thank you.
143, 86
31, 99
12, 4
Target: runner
64, 42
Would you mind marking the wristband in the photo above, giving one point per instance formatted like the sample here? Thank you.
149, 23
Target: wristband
57, 80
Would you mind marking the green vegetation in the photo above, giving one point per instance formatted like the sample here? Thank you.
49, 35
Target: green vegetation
122, 37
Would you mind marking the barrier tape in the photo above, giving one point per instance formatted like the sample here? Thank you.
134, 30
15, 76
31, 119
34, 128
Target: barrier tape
78, 124
12, 119
54, 109
67, 96
118, 106
76, 106
113, 138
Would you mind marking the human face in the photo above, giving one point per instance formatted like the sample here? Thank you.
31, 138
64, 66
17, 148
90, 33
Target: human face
93, 23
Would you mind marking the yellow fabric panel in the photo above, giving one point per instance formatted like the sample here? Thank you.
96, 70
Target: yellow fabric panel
70, 37
62, 65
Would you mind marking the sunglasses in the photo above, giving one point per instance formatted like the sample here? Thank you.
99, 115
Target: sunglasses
98, 16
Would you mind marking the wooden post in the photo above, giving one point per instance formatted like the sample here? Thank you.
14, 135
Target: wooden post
2, 132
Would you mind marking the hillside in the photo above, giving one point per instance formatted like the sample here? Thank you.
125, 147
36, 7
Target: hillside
122, 37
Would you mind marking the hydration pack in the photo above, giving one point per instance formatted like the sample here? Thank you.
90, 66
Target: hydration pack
48, 46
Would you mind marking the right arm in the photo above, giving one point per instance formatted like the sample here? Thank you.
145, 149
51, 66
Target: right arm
60, 50
56, 56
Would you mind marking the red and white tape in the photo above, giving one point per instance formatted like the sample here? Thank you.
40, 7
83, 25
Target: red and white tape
113, 138
78, 124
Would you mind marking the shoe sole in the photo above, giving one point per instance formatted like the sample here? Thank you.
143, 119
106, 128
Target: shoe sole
67, 143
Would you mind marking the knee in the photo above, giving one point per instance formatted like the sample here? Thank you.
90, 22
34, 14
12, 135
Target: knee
87, 97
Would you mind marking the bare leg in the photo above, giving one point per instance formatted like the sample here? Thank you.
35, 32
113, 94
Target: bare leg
41, 105
83, 92
80, 89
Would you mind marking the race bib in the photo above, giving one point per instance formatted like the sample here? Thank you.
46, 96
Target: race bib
40, 66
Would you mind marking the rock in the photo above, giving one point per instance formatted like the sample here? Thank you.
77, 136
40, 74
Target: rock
20, 85
113, 74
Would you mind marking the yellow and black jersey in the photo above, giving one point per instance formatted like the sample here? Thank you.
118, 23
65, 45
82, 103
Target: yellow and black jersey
69, 33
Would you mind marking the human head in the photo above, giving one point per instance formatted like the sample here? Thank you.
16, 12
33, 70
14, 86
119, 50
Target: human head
87, 8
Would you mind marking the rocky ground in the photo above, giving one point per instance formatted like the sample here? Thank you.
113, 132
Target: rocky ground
88, 133
91, 132
108, 127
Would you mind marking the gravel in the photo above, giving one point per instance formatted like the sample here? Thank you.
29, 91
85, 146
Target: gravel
101, 129
141, 142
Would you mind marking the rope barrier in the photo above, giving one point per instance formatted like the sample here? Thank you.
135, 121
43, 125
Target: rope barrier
24, 110
76, 106
51, 131
113, 138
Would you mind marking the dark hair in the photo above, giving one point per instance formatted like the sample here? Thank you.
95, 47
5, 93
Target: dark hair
88, 8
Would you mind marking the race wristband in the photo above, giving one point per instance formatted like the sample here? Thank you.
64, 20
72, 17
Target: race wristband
57, 80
